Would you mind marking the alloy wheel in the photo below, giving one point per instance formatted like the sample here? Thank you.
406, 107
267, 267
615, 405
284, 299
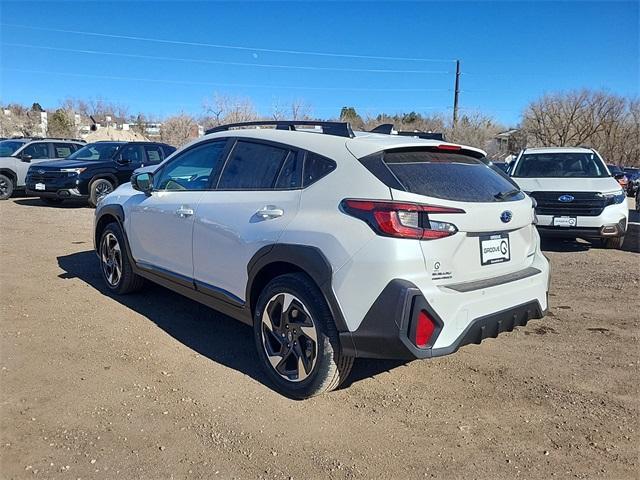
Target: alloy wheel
4, 187
289, 337
111, 257
102, 190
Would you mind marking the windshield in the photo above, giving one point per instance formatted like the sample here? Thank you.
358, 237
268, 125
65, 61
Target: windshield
95, 151
546, 165
8, 147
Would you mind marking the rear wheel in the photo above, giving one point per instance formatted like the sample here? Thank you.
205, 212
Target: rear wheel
115, 263
51, 201
296, 338
99, 189
6, 187
613, 243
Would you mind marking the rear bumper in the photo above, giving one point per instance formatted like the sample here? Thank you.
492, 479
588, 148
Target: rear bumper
605, 231
386, 330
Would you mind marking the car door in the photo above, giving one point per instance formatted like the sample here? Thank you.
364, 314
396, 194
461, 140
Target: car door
256, 196
129, 158
33, 153
160, 226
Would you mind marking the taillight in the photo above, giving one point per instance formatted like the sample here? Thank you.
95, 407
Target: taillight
401, 219
425, 327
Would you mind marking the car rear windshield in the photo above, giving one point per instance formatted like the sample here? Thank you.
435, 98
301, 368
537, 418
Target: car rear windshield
449, 176
8, 147
95, 151
584, 165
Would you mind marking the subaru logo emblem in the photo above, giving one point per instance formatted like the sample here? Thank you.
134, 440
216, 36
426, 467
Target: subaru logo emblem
41, 172
566, 198
506, 216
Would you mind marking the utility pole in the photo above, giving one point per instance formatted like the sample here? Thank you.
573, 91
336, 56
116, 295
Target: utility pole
456, 93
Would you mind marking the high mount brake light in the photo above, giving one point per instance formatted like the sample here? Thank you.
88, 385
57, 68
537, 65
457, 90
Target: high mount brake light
449, 147
401, 219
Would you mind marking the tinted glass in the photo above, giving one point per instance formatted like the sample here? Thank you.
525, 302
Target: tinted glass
615, 170
8, 147
37, 150
536, 165
450, 176
154, 153
252, 166
133, 153
291, 173
192, 169
96, 151
316, 167
63, 150
168, 150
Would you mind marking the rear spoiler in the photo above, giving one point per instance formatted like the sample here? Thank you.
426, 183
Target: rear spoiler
387, 129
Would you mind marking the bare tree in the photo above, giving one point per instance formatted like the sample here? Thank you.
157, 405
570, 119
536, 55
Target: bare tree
475, 130
223, 109
179, 129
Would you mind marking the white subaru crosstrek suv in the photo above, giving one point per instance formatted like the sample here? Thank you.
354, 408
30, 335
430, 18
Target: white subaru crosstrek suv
331, 244
576, 195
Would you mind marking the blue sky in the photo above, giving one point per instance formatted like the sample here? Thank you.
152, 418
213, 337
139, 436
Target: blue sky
511, 53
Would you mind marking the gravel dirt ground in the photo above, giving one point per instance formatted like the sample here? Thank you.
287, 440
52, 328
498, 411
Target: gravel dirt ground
156, 386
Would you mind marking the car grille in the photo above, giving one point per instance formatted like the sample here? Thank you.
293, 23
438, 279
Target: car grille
47, 176
585, 204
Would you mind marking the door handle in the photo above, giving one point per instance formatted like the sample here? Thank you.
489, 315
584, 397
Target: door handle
270, 211
184, 212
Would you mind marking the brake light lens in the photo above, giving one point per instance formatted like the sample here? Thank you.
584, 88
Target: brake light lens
402, 219
424, 329
449, 147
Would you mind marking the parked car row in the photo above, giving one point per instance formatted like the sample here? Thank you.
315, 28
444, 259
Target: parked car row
60, 169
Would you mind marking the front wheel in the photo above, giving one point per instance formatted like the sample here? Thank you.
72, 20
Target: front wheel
115, 264
6, 187
296, 338
99, 189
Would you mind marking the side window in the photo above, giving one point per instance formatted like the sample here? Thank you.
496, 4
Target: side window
316, 167
168, 150
291, 173
63, 150
37, 150
154, 153
252, 166
192, 169
133, 153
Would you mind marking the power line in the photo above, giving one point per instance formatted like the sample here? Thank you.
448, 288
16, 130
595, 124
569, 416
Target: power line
188, 82
226, 46
217, 62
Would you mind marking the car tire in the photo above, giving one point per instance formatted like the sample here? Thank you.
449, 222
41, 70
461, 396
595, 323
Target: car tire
296, 338
6, 187
115, 264
51, 201
613, 243
98, 189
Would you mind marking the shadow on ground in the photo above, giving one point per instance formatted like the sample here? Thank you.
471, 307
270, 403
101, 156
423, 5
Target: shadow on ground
210, 333
36, 202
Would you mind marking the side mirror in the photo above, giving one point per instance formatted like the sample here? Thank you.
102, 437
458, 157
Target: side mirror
143, 182
26, 158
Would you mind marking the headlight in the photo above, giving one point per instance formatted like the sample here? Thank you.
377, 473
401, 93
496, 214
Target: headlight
73, 171
614, 198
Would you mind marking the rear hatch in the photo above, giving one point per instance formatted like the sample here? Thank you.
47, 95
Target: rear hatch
494, 233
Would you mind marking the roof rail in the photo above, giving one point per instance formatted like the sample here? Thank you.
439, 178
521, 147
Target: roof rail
387, 129
68, 139
339, 129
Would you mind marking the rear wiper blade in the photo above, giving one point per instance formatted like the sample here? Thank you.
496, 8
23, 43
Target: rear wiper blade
505, 195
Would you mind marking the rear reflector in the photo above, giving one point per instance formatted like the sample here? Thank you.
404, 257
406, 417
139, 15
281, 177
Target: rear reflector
401, 219
424, 329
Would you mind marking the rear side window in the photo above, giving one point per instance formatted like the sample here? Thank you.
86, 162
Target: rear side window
252, 166
154, 153
316, 167
448, 175
63, 150
291, 173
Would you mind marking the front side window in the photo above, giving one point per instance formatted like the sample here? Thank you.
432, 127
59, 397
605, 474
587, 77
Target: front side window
550, 165
252, 166
37, 150
192, 169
